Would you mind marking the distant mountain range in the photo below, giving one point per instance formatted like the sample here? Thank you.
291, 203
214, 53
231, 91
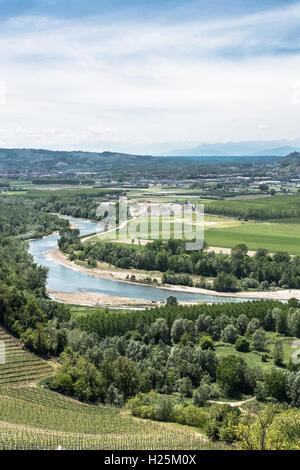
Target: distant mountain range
253, 148
40, 161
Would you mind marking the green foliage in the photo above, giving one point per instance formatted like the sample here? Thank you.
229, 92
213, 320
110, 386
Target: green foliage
232, 373
276, 207
21, 218
206, 342
278, 353
242, 344
275, 384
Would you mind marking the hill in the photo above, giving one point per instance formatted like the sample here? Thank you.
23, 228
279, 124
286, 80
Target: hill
291, 162
20, 366
34, 418
38, 160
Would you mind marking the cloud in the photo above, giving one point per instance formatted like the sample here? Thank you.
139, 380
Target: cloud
90, 82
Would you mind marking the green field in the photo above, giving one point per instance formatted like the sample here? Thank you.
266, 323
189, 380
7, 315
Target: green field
273, 237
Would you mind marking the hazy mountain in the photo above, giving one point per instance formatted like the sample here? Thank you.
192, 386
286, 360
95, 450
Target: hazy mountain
255, 148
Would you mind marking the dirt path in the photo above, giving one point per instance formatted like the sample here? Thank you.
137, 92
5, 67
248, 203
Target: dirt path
237, 404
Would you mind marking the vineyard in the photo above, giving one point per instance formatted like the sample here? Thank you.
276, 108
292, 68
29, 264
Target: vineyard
35, 418
20, 366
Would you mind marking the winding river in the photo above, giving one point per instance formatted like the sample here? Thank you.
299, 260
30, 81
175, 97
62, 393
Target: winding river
65, 279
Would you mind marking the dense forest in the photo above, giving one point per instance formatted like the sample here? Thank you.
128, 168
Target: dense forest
22, 218
25, 309
81, 203
231, 272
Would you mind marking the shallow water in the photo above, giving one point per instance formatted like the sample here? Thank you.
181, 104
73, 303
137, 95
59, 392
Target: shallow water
64, 279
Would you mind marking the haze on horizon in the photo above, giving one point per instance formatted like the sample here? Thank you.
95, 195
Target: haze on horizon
96, 75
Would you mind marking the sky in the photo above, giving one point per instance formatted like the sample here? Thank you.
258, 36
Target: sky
144, 76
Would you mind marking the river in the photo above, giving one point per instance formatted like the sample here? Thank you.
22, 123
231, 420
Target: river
65, 279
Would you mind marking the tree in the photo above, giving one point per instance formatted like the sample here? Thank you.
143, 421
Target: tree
252, 431
171, 300
159, 331
275, 383
229, 334
206, 342
253, 325
293, 302
203, 393
225, 283
242, 344
239, 251
259, 340
281, 323
161, 261
264, 188
242, 323
278, 353
114, 397
126, 376
231, 373
293, 388
179, 327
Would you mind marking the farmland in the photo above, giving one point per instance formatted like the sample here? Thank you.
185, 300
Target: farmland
33, 418
219, 231
272, 236
21, 366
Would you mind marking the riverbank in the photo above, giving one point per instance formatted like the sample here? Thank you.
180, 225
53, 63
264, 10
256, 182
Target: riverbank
120, 275
91, 299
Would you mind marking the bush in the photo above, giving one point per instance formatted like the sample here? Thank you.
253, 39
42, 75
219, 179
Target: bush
225, 283
206, 342
242, 344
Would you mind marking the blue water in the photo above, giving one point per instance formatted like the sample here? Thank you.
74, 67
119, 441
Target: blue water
64, 279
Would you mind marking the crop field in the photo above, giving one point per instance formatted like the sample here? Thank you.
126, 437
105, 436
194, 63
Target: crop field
35, 418
219, 231
272, 236
20, 366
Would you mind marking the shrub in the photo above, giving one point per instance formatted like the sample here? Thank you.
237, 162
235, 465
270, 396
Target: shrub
206, 342
242, 344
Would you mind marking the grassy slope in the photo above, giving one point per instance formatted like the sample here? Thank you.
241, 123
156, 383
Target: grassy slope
33, 418
21, 366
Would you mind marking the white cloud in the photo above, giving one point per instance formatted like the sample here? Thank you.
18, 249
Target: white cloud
82, 82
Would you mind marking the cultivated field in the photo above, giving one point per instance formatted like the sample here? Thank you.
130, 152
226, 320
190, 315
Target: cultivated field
21, 366
34, 418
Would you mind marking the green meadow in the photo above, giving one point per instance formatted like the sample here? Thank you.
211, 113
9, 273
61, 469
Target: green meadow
273, 237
